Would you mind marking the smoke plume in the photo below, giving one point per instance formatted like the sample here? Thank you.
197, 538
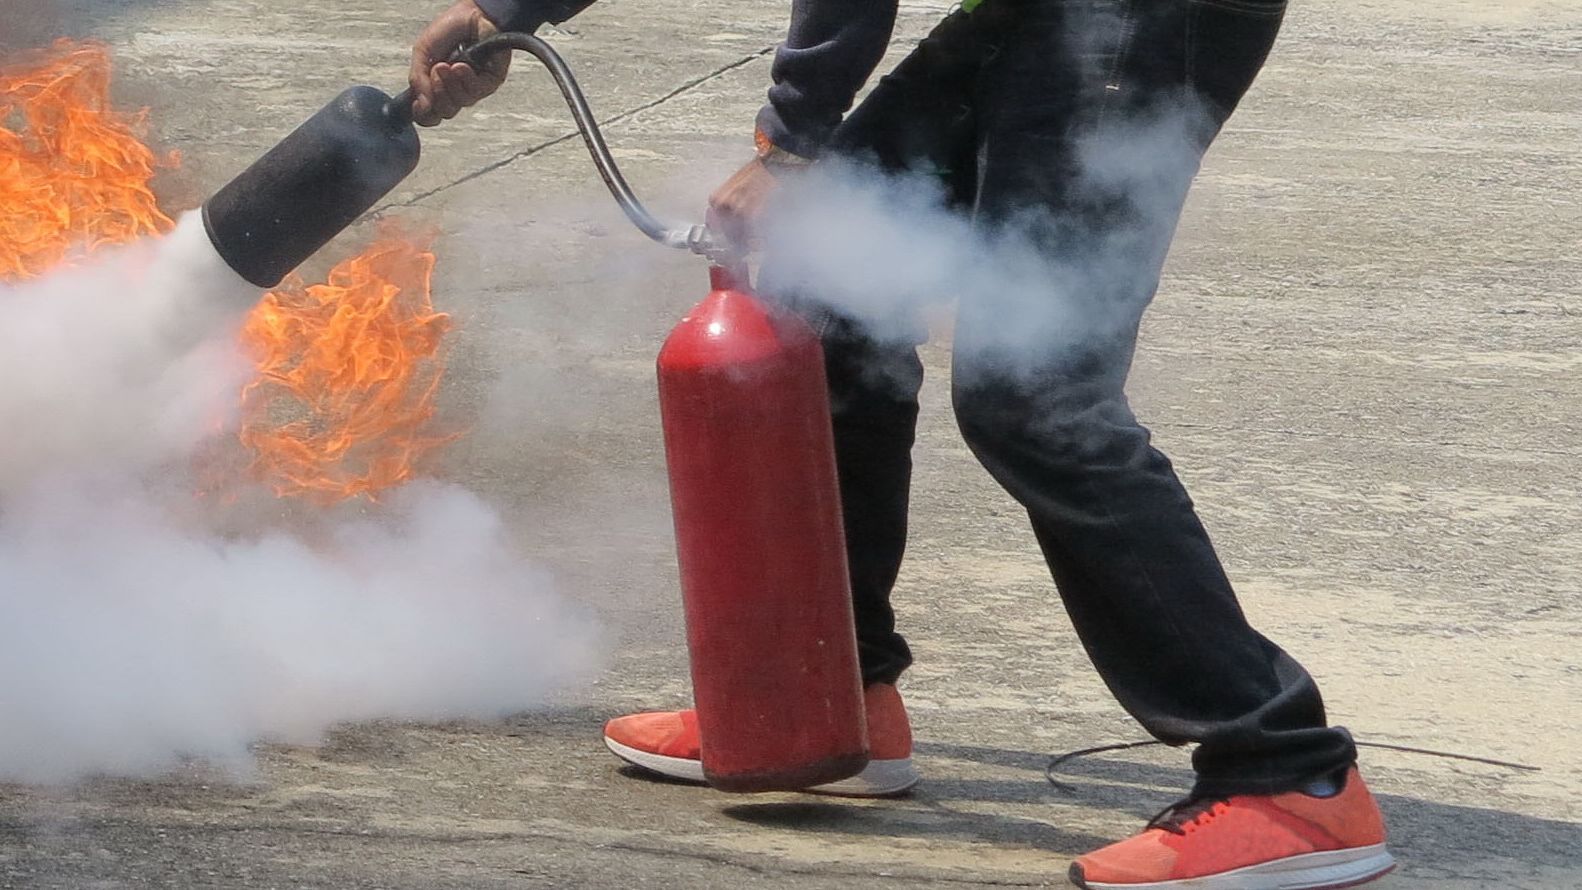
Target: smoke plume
140, 627
888, 251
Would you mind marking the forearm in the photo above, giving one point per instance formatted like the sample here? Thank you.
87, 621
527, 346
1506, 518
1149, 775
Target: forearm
528, 15
831, 48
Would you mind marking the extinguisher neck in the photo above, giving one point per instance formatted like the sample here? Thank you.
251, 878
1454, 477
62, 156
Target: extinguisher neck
731, 276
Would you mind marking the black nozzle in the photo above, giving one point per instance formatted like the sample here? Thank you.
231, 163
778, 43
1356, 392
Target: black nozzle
314, 184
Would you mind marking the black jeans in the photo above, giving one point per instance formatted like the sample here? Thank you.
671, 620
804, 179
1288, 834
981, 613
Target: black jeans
1029, 111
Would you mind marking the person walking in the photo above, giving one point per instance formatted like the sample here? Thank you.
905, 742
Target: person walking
1025, 111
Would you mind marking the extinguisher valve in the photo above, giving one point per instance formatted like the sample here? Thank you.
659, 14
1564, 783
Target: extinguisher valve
710, 245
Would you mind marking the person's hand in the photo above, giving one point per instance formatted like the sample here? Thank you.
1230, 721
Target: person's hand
442, 89
736, 206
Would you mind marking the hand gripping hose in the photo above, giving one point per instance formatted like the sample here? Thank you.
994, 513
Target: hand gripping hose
696, 238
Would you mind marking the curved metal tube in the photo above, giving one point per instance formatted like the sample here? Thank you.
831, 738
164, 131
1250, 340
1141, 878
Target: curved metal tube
696, 238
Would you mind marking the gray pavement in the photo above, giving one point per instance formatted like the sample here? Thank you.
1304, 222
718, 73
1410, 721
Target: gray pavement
1366, 361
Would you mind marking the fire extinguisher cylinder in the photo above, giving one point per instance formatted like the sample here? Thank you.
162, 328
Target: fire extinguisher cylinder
764, 582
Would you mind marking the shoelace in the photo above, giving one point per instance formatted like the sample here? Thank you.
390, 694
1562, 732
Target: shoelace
1187, 811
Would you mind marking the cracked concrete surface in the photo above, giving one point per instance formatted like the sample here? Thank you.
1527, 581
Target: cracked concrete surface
1364, 360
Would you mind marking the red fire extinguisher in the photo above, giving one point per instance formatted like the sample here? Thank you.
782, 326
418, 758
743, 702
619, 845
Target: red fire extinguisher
751, 456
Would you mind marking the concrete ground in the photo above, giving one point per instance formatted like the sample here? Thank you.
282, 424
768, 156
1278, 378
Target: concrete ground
1366, 361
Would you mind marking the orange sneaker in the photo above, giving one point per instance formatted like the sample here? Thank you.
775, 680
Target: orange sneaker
667, 743
1319, 838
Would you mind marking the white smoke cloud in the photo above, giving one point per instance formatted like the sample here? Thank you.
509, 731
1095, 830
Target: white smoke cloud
887, 251
119, 364
138, 629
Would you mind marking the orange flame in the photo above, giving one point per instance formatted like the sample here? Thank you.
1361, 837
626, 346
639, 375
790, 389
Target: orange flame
73, 176
347, 370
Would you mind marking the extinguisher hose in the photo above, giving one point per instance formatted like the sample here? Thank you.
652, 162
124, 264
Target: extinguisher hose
697, 238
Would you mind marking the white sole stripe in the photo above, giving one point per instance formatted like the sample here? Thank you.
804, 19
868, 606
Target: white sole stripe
683, 768
881, 778
1327, 870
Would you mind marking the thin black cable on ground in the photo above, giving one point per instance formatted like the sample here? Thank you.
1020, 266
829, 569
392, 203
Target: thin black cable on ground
1451, 756
1057, 760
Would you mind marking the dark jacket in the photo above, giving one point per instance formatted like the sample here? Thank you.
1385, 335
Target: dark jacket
830, 50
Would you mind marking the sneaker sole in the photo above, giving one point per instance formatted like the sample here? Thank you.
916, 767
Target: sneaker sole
881, 778
1330, 870
685, 769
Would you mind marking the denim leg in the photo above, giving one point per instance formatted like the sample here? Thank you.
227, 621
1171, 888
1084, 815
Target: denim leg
1092, 129
873, 403
917, 120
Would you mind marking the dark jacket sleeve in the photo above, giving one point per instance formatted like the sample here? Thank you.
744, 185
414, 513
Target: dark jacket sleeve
528, 15
830, 50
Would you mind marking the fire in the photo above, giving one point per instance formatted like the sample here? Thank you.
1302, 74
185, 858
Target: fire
74, 175
348, 373
348, 370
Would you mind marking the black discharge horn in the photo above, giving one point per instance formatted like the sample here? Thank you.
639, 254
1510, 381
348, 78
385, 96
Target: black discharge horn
315, 183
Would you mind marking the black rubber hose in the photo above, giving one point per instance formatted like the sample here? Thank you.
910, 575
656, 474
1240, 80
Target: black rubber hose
694, 237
